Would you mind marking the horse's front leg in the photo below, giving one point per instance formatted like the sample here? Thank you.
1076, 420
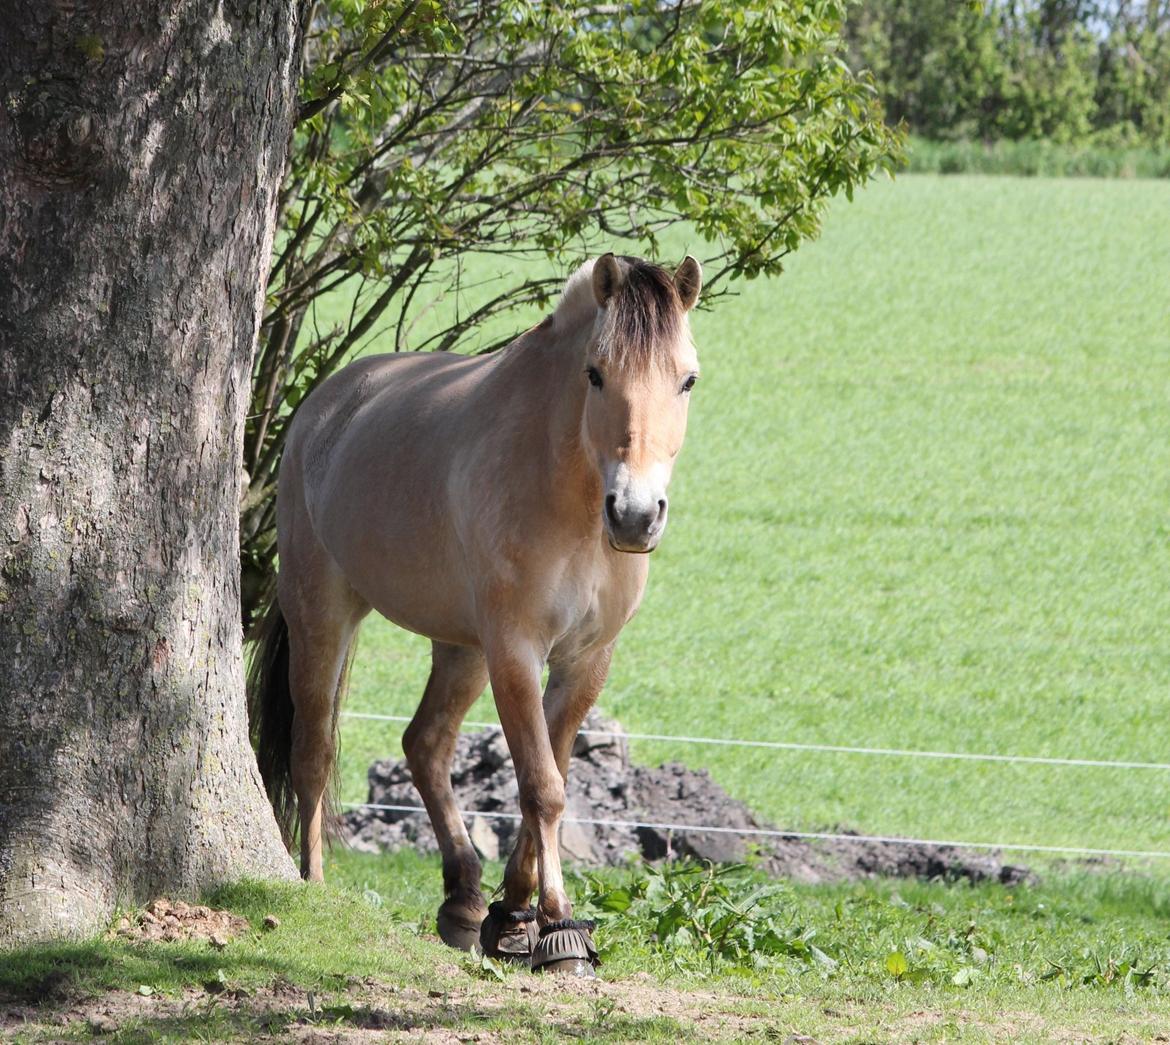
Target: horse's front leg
572, 690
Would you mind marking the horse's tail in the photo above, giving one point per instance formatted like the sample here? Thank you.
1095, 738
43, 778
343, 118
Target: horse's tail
270, 716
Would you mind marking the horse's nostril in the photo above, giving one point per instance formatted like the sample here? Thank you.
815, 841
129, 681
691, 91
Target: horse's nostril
610, 514
661, 508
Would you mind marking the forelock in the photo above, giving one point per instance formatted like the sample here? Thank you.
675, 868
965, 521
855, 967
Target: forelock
645, 318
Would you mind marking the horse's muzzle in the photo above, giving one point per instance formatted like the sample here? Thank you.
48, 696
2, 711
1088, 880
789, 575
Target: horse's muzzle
634, 528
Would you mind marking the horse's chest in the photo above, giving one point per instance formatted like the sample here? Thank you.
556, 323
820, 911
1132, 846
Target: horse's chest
595, 604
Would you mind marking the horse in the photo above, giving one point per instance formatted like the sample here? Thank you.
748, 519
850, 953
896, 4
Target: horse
503, 506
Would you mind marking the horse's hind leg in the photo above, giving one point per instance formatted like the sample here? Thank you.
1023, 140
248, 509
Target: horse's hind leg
323, 613
458, 676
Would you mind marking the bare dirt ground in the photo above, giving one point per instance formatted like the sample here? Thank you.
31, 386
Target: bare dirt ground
531, 1008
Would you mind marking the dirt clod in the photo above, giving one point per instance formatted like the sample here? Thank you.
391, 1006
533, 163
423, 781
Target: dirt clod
167, 921
102, 1025
605, 785
271, 922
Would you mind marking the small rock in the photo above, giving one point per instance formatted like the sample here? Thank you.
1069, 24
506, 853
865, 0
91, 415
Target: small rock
217, 941
102, 1025
576, 841
484, 838
271, 921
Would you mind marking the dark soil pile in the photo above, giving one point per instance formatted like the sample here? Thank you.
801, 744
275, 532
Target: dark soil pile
605, 786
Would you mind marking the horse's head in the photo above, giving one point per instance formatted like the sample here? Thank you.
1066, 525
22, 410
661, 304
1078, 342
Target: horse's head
641, 366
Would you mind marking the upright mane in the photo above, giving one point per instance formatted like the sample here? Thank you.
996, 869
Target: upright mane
644, 318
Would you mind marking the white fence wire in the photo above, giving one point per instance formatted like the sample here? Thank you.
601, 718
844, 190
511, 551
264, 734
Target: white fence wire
760, 832
841, 749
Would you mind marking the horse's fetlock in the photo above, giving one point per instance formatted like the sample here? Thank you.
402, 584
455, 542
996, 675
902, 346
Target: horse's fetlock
554, 906
462, 874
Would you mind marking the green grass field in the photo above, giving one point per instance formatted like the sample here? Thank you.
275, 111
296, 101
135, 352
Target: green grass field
924, 504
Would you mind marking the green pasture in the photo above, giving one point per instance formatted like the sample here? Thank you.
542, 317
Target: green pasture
923, 504
1076, 958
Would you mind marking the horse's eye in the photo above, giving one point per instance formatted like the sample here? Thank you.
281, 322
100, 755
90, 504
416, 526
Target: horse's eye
689, 383
594, 376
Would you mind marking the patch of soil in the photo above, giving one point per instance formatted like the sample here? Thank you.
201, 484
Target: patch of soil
539, 1007
170, 920
605, 786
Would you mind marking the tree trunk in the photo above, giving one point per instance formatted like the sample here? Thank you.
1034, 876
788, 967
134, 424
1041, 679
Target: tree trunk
141, 149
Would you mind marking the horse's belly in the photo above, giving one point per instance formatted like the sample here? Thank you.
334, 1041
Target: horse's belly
417, 584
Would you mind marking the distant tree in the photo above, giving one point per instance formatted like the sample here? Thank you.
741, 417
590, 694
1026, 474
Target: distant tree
1065, 70
1133, 80
431, 132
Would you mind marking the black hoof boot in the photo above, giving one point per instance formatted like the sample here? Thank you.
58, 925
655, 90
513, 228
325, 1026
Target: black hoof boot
508, 935
567, 948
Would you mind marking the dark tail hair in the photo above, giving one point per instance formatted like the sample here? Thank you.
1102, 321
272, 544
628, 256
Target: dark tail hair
270, 715
270, 718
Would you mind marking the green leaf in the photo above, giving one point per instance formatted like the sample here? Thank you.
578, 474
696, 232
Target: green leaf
492, 968
964, 977
896, 964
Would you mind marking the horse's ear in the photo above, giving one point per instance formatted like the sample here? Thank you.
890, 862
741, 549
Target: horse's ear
607, 277
688, 281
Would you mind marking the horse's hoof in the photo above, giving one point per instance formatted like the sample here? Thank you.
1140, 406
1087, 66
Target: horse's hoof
567, 948
459, 924
508, 935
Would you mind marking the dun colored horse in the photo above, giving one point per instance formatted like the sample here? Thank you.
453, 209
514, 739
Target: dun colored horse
497, 505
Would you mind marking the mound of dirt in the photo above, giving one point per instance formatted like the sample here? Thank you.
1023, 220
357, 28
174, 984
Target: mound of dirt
604, 787
169, 920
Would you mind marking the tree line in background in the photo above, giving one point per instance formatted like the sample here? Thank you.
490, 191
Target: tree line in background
1080, 72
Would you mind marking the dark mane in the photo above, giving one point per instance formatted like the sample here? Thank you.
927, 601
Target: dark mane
645, 317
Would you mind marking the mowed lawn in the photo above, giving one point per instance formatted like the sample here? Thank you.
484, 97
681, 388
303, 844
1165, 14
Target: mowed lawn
923, 504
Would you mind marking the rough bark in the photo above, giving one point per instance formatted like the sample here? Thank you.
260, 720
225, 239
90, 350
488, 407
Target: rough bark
141, 148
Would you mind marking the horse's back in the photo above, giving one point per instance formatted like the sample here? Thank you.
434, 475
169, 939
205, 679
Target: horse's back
373, 398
